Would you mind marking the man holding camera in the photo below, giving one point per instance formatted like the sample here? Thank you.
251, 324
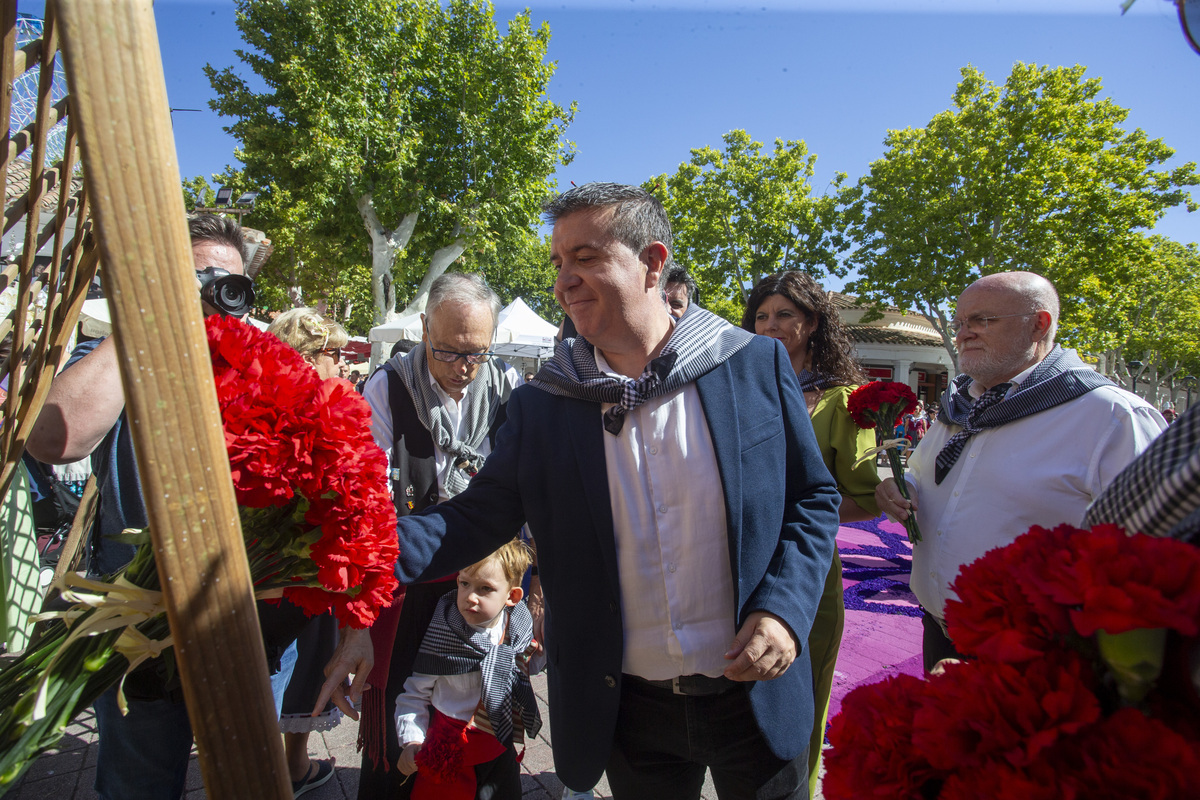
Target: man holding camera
143, 754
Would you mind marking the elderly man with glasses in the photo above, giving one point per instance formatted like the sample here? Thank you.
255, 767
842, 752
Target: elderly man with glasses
435, 412
1027, 435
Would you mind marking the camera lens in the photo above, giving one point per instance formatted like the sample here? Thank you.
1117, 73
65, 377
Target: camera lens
232, 295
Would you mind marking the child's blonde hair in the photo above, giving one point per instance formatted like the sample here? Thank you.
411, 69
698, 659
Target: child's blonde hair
514, 558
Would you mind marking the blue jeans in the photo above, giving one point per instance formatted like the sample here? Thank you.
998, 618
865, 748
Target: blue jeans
144, 754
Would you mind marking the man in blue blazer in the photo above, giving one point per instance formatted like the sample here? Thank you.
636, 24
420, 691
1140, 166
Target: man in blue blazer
683, 518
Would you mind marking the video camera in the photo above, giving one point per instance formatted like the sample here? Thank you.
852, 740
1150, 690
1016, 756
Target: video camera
232, 295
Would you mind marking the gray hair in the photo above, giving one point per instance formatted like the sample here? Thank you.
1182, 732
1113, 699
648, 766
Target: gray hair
638, 220
462, 287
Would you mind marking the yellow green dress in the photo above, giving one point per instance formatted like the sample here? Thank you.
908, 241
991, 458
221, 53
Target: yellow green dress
841, 443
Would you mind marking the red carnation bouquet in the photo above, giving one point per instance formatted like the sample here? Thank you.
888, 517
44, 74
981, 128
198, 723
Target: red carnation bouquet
317, 520
881, 405
1077, 684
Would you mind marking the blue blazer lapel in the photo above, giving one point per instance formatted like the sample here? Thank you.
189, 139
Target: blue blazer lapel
582, 420
719, 400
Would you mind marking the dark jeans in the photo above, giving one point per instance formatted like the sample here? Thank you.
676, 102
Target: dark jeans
664, 742
935, 645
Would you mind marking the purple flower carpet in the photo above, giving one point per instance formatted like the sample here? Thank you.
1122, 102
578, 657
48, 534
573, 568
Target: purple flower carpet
883, 621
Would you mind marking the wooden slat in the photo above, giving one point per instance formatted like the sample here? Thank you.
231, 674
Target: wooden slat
119, 102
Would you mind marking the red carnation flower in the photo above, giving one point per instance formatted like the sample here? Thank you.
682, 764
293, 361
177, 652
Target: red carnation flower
1001, 781
1000, 612
872, 753
880, 403
1118, 583
289, 433
981, 711
1131, 755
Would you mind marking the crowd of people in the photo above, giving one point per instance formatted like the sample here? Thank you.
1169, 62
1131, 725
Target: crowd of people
651, 517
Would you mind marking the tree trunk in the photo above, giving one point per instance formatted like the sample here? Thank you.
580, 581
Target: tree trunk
443, 257
384, 246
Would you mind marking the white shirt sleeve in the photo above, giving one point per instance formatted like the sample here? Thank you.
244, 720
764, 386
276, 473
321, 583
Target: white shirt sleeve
412, 708
1132, 429
378, 398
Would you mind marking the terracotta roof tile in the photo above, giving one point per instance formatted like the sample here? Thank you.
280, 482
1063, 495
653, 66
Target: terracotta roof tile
872, 335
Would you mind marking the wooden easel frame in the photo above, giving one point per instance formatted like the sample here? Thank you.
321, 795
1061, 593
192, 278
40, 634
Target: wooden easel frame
118, 106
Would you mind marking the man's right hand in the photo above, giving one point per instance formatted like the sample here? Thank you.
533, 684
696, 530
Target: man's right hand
891, 502
408, 758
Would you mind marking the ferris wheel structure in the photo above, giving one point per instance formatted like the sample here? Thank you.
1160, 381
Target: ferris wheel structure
25, 93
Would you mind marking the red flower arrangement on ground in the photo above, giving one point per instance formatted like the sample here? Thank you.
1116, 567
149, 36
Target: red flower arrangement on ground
1062, 697
881, 405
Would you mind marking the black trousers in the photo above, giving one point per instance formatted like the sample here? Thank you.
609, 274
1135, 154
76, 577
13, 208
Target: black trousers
664, 742
935, 644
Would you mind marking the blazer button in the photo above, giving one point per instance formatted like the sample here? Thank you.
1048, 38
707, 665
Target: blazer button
610, 681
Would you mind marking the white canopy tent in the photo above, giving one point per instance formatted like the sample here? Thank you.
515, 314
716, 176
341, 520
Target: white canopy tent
407, 328
522, 333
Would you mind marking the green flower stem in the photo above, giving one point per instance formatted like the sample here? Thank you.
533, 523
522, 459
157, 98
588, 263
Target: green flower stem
910, 524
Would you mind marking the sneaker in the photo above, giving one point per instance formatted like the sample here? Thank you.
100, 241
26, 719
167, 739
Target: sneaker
570, 794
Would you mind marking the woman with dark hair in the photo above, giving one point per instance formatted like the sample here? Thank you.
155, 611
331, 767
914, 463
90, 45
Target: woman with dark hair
794, 309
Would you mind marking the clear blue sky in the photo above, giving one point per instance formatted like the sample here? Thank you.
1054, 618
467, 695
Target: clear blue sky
655, 79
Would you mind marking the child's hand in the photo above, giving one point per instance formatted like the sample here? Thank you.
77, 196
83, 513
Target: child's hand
408, 758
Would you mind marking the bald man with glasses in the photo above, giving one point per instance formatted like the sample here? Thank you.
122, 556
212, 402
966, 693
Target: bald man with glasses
435, 411
1027, 435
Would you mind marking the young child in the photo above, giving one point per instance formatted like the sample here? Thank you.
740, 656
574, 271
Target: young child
472, 668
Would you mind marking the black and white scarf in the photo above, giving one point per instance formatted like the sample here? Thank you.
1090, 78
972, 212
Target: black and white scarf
700, 342
483, 397
1061, 376
452, 647
812, 381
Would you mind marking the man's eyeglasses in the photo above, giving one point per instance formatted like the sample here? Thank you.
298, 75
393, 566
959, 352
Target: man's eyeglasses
449, 356
333, 352
978, 323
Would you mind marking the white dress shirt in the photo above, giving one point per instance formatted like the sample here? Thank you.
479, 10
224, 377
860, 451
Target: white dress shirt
668, 508
1043, 469
378, 398
456, 696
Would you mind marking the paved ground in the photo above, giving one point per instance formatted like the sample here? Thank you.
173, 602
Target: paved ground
882, 637
68, 772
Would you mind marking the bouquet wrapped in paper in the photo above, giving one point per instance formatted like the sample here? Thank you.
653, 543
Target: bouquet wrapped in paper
1075, 686
317, 520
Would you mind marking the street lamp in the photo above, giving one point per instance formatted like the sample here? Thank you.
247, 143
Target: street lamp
1190, 382
1134, 367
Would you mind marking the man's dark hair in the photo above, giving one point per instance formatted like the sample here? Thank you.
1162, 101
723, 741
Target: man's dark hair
677, 273
401, 347
217, 230
638, 220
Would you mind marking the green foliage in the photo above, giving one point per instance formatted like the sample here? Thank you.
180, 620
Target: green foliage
414, 107
740, 214
1037, 175
1156, 318
522, 269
